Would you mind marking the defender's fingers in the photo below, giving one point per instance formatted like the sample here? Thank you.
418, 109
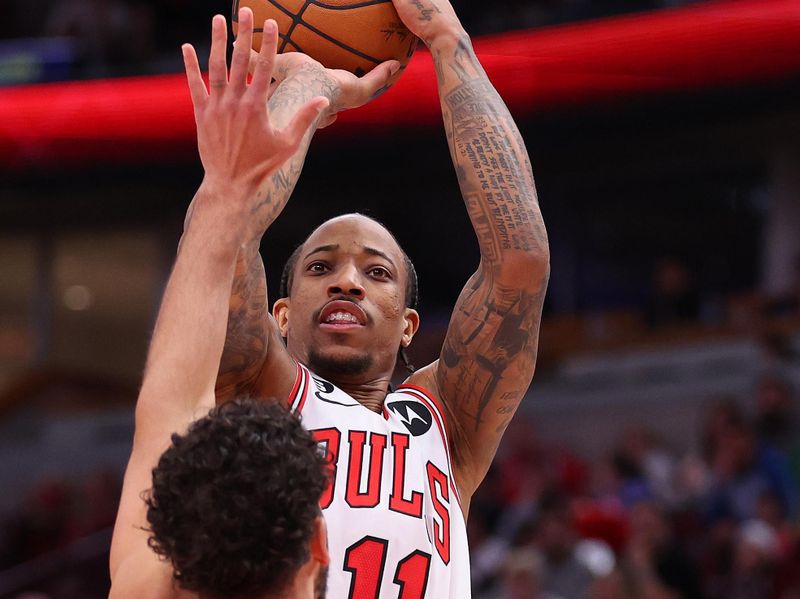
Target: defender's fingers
197, 86
306, 115
251, 66
241, 49
265, 64
217, 60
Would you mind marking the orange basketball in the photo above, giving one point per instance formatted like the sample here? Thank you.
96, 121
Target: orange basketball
354, 35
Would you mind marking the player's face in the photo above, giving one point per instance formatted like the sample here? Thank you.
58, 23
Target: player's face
347, 312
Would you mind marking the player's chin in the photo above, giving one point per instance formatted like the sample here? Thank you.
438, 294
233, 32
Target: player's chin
339, 359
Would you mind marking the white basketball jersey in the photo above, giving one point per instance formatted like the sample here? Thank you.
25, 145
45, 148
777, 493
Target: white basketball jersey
395, 526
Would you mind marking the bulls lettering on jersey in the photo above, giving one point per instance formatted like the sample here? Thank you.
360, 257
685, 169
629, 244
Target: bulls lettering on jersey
395, 526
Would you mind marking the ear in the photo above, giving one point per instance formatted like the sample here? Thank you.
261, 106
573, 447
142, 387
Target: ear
319, 542
411, 328
281, 313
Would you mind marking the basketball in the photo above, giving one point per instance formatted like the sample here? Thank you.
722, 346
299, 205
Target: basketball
354, 35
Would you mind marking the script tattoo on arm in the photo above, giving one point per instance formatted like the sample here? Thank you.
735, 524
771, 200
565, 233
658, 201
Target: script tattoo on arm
247, 343
489, 353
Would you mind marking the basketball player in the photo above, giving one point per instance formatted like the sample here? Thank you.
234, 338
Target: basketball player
214, 550
405, 463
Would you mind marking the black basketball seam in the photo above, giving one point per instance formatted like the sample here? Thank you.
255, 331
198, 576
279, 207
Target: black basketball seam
297, 48
349, 6
336, 42
296, 20
281, 36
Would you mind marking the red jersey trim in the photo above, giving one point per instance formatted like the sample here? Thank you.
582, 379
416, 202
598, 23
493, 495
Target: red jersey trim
293, 394
430, 397
300, 392
304, 396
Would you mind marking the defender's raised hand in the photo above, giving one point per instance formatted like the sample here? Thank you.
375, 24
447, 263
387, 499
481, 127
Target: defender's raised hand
238, 144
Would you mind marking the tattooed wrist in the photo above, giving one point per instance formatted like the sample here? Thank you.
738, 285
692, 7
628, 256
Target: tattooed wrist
447, 36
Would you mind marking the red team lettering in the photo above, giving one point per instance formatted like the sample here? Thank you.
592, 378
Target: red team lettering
377, 444
397, 501
441, 530
438, 482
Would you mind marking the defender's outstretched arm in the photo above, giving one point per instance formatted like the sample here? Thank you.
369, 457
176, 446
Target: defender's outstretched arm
489, 353
239, 148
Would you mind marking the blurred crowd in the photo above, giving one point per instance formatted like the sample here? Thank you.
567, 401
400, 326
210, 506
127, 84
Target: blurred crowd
647, 521
125, 37
644, 520
43, 545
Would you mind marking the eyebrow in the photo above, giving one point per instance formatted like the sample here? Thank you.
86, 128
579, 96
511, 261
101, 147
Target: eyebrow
367, 250
384, 255
322, 248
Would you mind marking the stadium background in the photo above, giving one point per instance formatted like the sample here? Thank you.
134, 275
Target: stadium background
657, 453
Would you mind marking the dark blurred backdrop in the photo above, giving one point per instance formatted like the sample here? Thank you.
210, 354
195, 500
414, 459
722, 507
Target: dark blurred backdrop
656, 455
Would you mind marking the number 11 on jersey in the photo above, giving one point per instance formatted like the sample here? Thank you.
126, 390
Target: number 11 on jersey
366, 561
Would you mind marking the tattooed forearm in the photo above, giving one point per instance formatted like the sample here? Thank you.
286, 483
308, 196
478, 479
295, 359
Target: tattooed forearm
490, 157
247, 335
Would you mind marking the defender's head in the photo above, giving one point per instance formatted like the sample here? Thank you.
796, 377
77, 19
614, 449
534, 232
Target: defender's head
348, 301
235, 505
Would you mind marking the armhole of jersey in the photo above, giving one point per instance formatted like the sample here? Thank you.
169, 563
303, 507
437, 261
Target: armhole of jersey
432, 403
297, 398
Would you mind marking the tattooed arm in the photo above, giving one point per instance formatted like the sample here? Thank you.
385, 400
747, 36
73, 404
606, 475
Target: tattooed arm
255, 359
251, 329
489, 353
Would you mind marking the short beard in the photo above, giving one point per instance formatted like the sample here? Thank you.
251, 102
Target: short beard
321, 584
326, 365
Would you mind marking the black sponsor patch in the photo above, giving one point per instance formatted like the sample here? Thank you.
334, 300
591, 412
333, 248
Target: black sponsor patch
414, 416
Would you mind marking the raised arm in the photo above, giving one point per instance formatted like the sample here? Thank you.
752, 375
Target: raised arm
255, 360
239, 148
489, 353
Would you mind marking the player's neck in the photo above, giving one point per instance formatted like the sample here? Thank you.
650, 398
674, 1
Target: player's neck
370, 394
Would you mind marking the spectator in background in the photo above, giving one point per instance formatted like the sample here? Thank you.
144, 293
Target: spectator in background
644, 467
658, 566
555, 536
744, 469
487, 555
112, 37
674, 300
788, 302
522, 576
755, 562
775, 415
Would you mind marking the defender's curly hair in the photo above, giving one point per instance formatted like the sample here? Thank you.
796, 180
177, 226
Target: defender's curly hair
235, 499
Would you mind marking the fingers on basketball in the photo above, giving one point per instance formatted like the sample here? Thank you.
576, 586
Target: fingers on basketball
354, 35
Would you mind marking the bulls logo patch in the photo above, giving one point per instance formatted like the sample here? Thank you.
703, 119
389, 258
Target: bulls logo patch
414, 416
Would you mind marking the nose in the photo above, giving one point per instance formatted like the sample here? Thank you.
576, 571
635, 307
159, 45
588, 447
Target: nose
346, 282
